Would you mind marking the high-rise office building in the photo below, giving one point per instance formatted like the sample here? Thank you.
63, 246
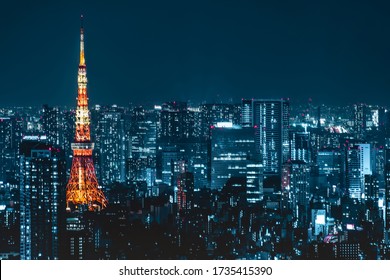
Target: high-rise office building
371, 188
141, 157
170, 155
271, 122
300, 146
176, 123
330, 166
198, 158
143, 133
42, 190
176, 131
10, 137
6, 151
295, 189
112, 148
358, 165
51, 125
233, 154
211, 114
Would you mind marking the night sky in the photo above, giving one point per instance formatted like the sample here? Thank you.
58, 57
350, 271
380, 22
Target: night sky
153, 51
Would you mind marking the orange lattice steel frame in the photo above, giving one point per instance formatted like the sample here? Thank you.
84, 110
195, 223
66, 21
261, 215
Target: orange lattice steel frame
83, 187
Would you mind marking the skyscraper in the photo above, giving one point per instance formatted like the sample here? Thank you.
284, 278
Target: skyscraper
42, 185
10, 136
300, 146
358, 165
271, 122
295, 188
211, 114
176, 123
51, 124
5, 147
233, 154
143, 133
112, 146
83, 187
141, 162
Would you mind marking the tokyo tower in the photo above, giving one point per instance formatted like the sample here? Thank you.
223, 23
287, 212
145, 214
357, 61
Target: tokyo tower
83, 189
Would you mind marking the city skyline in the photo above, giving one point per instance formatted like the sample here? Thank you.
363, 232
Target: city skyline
247, 176
315, 186
217, 50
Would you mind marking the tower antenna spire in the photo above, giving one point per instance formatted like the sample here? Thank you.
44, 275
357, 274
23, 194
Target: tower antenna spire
82, 57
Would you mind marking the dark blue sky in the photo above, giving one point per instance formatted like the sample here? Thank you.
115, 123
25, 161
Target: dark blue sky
153, 51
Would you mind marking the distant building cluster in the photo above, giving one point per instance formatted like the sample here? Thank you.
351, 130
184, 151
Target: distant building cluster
259, 179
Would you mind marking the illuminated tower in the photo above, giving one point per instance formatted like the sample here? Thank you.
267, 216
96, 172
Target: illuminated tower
83, 187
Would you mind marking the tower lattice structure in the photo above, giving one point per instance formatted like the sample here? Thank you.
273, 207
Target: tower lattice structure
83, 187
